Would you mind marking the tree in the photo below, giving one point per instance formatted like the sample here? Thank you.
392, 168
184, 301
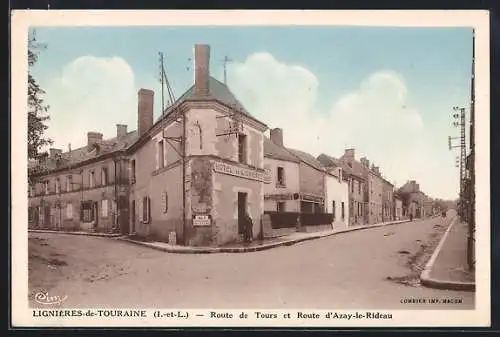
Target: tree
37, 109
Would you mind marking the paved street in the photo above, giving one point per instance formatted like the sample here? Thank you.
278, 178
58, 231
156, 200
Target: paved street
366, 269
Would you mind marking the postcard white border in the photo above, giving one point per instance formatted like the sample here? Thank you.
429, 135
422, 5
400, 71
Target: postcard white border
479, 20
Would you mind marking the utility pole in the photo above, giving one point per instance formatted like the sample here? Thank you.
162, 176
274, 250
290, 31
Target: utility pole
459, 117
472, 188
161, 78
226, 61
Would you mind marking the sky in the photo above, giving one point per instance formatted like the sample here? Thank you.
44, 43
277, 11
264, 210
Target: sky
387, 92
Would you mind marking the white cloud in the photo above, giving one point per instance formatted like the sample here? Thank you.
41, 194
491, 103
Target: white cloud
375, 118
90, 94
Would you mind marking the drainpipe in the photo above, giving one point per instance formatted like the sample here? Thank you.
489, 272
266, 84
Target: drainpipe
116, 193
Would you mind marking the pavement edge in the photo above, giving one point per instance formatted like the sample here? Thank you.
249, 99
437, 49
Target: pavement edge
428, 281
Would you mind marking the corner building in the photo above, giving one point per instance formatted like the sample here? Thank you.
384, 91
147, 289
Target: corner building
187, 178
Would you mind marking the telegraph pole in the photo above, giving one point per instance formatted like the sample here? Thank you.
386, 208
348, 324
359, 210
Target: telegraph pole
162, 77
459, 117
472, 189
226, 61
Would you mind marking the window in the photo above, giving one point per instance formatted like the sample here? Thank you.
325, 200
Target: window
280, 205
333, 209
104, 176
69, 211
160, 154
352, 186
104, 208
242, 148
281, 176
164, 200
46, 186
342, 210
132, 171
69, 183
359, 187
146, 208
58, 186
86, 212
91, 179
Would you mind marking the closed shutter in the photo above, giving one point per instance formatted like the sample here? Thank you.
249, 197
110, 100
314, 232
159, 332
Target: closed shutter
145, 209
149, 210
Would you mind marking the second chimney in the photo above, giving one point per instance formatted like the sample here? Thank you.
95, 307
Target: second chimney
54, 152
93, 138
121, 130
202, 69
277, 136
349, 153
145, 110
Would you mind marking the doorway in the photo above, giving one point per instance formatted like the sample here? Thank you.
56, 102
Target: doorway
242, 207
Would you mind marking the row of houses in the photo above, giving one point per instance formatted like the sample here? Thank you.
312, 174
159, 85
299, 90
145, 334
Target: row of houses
190, 176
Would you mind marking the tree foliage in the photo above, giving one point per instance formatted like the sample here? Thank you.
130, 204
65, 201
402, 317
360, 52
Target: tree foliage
37, 109
38, 114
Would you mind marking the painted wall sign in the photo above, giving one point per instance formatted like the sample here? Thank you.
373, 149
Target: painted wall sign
289, 196
202, 220
243, 172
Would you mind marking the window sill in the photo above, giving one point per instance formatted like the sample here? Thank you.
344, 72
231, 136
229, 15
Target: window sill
280, 185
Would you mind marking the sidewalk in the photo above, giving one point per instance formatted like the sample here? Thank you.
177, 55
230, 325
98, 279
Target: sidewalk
256, 245
100, 234
447, 268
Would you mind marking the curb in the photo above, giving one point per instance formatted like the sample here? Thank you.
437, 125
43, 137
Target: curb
74, 233
428, 281
212, 250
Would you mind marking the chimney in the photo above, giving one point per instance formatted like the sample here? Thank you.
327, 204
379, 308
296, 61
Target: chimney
93, 138
202, 69
349, 153
277, 136
145, 110
54, 152
121, 130
376, 169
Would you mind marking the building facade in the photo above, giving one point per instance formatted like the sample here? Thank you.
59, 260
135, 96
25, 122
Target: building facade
282, 194
188, 178
337, 198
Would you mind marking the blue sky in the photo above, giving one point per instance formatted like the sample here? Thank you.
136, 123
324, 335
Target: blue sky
386, 91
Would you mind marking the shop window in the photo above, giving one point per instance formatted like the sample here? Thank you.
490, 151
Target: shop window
86, 212
280, 206
242, 148
280, 181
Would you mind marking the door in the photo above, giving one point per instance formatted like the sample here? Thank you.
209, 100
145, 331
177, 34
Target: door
242, 206
132, 217
95, 211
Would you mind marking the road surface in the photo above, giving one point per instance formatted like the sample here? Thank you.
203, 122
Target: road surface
367, 269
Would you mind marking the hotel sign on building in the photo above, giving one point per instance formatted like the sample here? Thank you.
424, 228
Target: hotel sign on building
243, 172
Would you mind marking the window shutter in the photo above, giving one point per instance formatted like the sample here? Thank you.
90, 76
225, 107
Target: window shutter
149, 210
165, 202
140, 209
81, 212
144, 209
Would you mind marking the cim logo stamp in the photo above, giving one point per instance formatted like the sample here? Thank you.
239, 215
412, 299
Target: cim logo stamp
43, 297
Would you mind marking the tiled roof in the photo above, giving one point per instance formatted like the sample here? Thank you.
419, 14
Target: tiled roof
307, 158
216, 90
84, 153
271, 150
